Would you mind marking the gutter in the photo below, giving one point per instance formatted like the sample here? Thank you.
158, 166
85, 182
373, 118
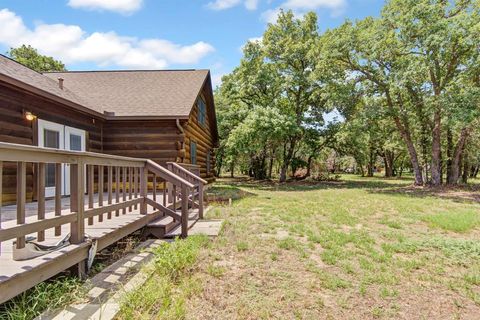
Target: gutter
177, 121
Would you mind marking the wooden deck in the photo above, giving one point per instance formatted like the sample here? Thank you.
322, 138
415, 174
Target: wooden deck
15, 273
89, 215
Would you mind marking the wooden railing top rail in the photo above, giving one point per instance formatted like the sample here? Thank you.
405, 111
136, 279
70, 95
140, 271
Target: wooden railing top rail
188, 173
167, 174
19, 152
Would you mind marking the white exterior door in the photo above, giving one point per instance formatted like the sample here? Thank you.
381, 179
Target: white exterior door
74, 141
58, 136
50, 135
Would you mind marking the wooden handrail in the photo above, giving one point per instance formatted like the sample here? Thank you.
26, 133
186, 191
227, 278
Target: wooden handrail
185, 171
82, 170
15, 152
167, 174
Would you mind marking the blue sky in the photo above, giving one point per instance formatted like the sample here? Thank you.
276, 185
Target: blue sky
156, 34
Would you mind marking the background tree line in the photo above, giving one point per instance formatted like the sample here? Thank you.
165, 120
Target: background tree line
406, 84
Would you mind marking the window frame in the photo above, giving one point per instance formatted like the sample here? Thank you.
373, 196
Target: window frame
193, 152
202, 111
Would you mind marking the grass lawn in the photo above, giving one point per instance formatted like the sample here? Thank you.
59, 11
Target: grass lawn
361, 248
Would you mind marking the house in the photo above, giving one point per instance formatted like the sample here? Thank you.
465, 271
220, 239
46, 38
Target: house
162, 115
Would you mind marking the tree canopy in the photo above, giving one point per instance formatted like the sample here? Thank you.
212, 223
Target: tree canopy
407, 85
29, 57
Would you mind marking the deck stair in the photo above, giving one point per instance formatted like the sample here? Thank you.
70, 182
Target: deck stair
167, 227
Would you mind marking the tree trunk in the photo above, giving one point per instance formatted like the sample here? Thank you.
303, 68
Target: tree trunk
436, 149
412, 152
287, 157
457, 154
232, 167
449, 155
309, 166
466, 169
270, 168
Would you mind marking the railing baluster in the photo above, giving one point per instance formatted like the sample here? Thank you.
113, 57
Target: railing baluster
200, 200
174, 189
41, 198
77, 180
124, 188
58, 195
154, 187
109, 187
184, 217
143, 189
130, 186
135, 185
90, 190
21, 195
117, 189
164, 193
100, 190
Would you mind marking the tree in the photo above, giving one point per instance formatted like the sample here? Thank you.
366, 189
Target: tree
29, 57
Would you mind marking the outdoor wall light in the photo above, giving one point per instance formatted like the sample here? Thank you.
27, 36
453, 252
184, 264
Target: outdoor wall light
29, 116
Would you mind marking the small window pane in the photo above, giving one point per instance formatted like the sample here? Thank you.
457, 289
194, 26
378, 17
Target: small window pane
75, 142
193, 152
51, 139
202, 109
50, 175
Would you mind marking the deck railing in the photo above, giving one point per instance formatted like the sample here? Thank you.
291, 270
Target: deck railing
118, 184
191, 173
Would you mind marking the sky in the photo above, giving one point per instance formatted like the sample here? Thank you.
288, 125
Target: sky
156, 34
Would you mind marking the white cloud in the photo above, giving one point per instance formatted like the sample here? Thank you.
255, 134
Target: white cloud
121, 6
300, 7
227, 4
71, 44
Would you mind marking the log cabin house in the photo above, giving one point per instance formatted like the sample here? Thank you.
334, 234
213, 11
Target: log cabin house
162, 115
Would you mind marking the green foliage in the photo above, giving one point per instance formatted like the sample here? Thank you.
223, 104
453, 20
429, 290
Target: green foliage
29, 57
44, 296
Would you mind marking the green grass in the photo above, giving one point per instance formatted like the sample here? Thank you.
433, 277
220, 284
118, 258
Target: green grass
170, 284
365, 242
357, 248
45, 296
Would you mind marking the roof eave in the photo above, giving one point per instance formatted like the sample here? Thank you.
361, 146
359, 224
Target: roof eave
50, 96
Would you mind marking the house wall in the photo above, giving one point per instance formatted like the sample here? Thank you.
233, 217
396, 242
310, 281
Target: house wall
158, 140
14, 128
202, 135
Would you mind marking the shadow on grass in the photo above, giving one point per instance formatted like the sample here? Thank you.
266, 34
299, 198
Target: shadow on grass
223, 193
396, 187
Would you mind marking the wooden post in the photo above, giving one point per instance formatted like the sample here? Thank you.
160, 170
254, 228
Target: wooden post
130, 186
58, 195
143, 189
41, 198
21, 194
109, 187
117, 189
124, 188
170, 190
77, 192
100, 190
201, 196
154, 187
90, 190
184, 218
135, 185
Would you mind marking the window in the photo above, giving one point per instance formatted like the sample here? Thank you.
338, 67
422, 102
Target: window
193, 152
208, 161
51, 139
202, 111
75, 142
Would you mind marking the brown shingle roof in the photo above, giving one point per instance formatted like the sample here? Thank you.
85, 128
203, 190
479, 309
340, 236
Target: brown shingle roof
162, 93
18, 72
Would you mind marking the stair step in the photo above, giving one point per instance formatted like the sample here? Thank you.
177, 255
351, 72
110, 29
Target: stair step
192, 219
